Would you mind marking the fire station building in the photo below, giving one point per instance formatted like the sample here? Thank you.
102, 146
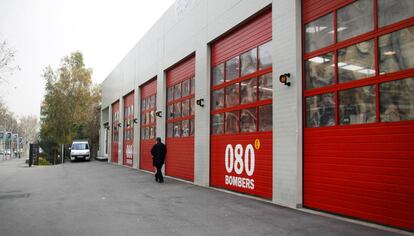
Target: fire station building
302, 103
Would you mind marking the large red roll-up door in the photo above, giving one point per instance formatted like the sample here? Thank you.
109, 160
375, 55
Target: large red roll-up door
180, 120
148, 123
128, 158
359, 109
241, 108
115, 132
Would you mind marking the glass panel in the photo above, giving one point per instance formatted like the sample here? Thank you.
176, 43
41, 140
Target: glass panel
192, 106
396, 50
397, 100
355, 19
319, 33
232, 69
152, 134
391, 11
143, 105
170, 112
143, 118
320, 71
356, 62
185, 107
217, 122
177, 110
170, 94
357, 106
177, 129
185, 127
147, 103
248, 91
151, 102
152, 116
248, 62
186, 88
177, 91
154, 100
248, 120
147, 133
265, 86
217, 99
232, 122
192, 83
170, 129
265, 118
265, 55
218, 74
147, 118
192, 127
232, 95
320, 110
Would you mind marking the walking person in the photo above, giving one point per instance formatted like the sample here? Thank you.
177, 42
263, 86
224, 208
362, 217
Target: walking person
158, 152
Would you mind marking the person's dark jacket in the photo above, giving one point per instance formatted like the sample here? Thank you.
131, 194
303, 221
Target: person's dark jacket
158, 152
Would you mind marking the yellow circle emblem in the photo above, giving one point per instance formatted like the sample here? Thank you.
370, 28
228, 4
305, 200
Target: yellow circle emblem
257, 144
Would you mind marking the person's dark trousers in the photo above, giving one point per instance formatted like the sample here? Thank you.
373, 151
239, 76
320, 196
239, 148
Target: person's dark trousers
158, 175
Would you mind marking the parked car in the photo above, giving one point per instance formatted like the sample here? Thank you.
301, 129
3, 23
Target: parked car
79, 150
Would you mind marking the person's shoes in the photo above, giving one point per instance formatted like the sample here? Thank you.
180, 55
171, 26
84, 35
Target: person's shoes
161, 181
156, 179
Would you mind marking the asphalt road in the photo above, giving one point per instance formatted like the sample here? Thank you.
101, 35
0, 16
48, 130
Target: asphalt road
97, 198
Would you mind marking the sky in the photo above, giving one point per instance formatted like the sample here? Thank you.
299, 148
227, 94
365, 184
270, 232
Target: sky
44, 31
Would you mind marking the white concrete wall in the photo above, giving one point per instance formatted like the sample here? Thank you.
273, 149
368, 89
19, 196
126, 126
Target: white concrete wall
287, 103
189, 26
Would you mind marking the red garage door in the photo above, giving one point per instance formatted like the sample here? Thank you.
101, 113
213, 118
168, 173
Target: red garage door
115, 132
359, 101
129, 130
180, 120
148, 123
241, 109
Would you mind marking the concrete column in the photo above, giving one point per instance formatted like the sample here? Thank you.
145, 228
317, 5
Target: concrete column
110, 134
137, 130
121, 131
202, 114
287, 103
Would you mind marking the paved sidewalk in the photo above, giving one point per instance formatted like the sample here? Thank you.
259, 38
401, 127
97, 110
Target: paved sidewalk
96, 198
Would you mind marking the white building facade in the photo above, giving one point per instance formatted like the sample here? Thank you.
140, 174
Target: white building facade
208, 78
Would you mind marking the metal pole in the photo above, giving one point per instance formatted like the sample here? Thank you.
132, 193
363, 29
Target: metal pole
63, 152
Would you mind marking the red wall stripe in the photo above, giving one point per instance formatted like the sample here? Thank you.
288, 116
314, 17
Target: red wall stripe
243, 38
149, 88
182, 71
362, 171
180, 155
128, 101
313, 9
115, 143
180, 158
145, 162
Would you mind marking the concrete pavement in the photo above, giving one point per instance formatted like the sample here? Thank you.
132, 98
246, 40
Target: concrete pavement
96, 198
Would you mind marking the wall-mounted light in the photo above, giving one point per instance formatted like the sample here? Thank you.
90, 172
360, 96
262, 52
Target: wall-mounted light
200, 102
135, 120
158, 113
119, 124
284, 79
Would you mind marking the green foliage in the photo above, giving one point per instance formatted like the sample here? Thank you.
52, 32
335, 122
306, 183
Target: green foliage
70, 105
42, 162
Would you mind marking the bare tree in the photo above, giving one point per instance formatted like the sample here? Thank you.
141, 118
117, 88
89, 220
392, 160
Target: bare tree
7, 58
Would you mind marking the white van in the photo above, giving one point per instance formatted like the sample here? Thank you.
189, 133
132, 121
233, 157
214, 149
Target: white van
80, 150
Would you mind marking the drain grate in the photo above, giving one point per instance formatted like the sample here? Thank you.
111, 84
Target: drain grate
15, 196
